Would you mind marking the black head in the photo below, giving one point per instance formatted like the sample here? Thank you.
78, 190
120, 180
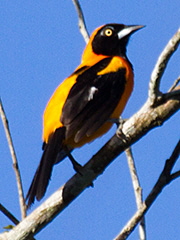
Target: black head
112, 39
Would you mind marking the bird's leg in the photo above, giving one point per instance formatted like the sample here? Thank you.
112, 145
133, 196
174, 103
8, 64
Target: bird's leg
118, 121
119, 124
77, 167
114, 120
119, 131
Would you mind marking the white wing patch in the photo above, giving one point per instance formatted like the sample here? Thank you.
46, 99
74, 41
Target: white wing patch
92, 91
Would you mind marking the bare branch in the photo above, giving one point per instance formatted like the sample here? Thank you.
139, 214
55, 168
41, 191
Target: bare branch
8, 214
137, 190
14, 160
164, 180
160, 67
131, 224
82, 25
134, 176
175, 175
170, 95
177, 81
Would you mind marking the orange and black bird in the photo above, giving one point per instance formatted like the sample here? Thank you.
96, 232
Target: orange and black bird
82, 106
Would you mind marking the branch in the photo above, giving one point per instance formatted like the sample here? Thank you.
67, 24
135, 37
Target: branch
14, 160
134, 128
164, 179
177, 81
82, 25
160, 67
137, 190
175, 175
8, 214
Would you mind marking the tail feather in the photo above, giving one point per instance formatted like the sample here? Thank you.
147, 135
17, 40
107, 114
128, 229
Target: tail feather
43, 173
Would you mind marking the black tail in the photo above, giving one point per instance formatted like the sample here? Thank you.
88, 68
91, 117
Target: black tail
43, 173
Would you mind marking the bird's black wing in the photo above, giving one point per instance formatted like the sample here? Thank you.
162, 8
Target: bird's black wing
92, 99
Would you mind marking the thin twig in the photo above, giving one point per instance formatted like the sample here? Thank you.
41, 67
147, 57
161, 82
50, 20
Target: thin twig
14, 160
11, 217
177, 81
81, 21
160, 67
164, 179
137, 190
175, 175
8, 214
171, 93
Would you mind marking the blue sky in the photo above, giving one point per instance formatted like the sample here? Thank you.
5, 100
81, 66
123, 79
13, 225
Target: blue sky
40, 45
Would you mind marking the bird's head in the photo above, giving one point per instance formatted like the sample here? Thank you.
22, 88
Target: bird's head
110, 39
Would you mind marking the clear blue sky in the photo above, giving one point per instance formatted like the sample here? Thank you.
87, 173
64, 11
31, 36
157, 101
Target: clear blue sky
40, 45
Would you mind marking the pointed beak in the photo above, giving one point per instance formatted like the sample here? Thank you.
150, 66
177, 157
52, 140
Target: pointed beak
128, 30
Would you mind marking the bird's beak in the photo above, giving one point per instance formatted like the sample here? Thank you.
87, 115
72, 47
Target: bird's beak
128, 30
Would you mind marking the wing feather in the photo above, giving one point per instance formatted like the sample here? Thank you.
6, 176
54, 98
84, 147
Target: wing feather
92, 100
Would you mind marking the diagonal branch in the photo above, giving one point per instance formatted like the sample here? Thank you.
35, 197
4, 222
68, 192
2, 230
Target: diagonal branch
8, 214
164, 179
14, 160
82, 25
175, 175
177, 81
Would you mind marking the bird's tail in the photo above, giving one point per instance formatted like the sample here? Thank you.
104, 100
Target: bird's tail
43, 173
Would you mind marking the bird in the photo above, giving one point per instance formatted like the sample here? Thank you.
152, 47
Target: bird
83, 105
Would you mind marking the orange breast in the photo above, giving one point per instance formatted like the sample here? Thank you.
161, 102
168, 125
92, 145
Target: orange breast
52, 113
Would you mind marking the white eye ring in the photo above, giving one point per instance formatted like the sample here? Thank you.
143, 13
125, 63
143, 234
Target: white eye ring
108, 32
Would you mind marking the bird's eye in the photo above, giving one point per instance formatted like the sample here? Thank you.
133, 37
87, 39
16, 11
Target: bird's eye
108, 32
